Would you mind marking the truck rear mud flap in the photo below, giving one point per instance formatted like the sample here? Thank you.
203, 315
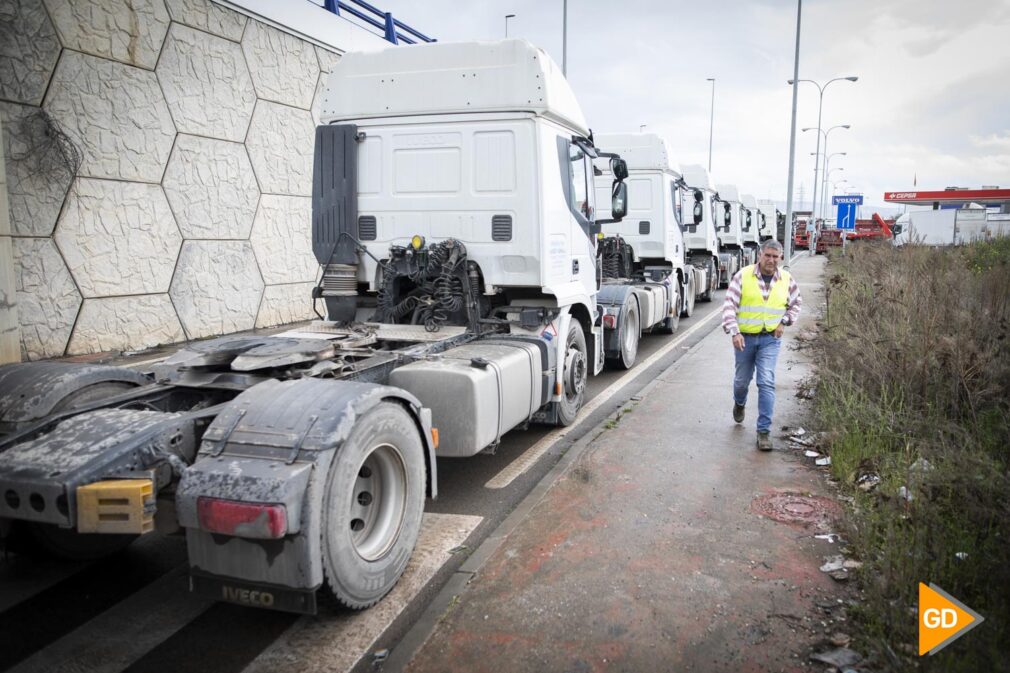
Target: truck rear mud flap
253, 594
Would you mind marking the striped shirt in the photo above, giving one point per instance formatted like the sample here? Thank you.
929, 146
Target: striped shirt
732, 303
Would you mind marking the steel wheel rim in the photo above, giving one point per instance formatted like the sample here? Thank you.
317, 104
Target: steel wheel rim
575, 374
378, 502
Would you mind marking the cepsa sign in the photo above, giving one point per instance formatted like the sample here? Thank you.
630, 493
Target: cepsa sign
902, 196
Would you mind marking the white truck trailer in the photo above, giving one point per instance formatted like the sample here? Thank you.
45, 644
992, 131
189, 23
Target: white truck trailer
751, 225
453, 216
648, 281
708, 217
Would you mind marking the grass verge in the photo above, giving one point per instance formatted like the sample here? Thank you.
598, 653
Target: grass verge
914, 384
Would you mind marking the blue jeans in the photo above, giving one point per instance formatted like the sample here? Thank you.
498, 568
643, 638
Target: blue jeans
760, 351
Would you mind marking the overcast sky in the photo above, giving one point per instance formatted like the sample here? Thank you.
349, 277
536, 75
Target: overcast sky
932, 101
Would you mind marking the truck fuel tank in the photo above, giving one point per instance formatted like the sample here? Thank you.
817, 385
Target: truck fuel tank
477, 392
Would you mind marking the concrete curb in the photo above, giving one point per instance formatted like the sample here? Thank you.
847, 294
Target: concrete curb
422, 629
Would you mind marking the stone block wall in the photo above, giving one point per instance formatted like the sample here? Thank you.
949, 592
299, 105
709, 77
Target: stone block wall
158, 158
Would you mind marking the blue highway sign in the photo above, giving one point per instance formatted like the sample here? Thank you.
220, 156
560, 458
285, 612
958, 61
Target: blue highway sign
846, 216
857, 199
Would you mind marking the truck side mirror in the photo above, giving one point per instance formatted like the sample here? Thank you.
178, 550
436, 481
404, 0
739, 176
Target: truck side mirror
748, 222
619, 197
699, 211
727, 218
619, 167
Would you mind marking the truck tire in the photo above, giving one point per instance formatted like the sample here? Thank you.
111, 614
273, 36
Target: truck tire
372, 506
631, 333
688, 305
711, 273
574, 374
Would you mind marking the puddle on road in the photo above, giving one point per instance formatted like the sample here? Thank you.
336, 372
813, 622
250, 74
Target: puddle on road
797, 509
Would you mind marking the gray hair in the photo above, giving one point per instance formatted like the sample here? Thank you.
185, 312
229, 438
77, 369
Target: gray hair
773, 244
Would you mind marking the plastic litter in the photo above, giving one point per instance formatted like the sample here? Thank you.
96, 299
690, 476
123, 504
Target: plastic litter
833, 563
811, 454
823, 461
840, 657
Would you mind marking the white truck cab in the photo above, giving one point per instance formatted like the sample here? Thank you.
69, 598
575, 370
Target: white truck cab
499, 160
709, 215
750, 225
770, 216
731, 240
648, 280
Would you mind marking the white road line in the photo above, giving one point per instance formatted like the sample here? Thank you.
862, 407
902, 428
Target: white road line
125, 632
332, 643
532, 454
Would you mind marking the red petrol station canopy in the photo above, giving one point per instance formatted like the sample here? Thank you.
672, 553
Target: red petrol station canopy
950, 196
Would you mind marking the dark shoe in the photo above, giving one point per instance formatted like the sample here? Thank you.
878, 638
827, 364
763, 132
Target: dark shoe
738, 412
764, 441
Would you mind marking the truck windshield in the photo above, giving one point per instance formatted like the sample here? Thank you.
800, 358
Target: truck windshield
677, 203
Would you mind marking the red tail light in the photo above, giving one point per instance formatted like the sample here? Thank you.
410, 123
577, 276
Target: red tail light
609, 321
242, 519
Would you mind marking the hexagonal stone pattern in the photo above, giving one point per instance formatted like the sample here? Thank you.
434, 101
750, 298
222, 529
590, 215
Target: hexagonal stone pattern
280, 146
208, 16
118, 238
284, 68
282, 239
48, 300
116, 113
217, 287
284, 304
211, 188
207, 84
327, 58
130, 31
121, 323
37, 181
29, 49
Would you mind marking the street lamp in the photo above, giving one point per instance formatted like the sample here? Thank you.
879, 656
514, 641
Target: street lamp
641, 128
820, 107
711, 120
507, 17
824, 192
821, 132
827, 157
564, 39
788, 243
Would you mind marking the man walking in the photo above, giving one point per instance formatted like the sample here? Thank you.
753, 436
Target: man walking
761, 300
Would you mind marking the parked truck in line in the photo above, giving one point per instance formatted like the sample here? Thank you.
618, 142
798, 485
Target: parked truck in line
751, 218
457, 239
731, 243
648, 278
771, 219
703, 238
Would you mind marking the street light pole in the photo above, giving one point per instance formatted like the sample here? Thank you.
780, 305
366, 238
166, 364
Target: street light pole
820, 108
824, 192
507, 17
826, 157
564, 39
711, 122
788, 234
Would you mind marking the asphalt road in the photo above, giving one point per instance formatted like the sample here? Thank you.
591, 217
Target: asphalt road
145, 623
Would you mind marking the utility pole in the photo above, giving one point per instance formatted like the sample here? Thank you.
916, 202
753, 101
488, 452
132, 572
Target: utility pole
564, 40
788, 243
711, 122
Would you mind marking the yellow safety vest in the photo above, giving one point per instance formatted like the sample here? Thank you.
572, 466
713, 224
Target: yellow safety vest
756, 313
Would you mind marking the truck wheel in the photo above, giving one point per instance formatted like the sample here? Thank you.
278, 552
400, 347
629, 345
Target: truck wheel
372, 506
68, 544
710, 274
688, 298
576, 371
631, 331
